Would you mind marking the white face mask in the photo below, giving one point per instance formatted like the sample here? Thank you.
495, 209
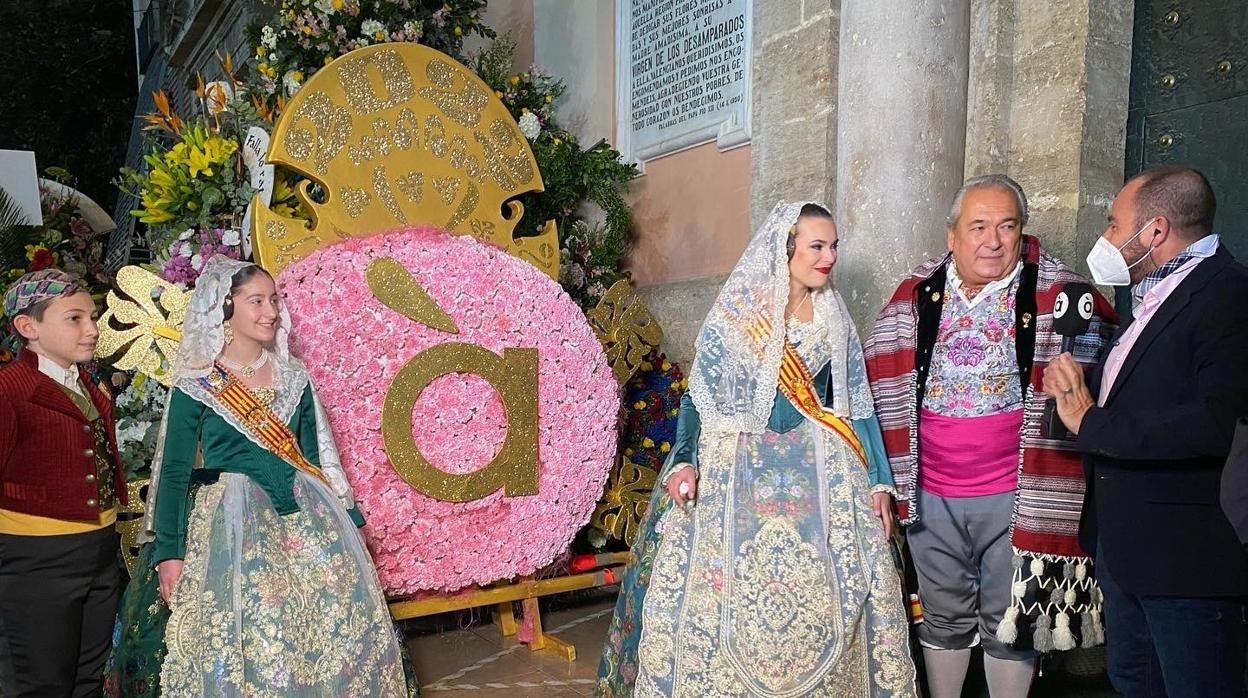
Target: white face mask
1107, 264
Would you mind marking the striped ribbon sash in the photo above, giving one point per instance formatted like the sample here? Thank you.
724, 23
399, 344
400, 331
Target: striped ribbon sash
258, 419
798, 385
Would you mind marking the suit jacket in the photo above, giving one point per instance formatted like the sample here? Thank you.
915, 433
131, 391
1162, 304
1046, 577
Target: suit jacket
1235, 483
1154, 453
47, 457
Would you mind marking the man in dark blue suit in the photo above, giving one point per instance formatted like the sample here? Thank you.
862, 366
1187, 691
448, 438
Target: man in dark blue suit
1155, 429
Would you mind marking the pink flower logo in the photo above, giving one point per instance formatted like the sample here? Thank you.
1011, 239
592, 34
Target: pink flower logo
354, 345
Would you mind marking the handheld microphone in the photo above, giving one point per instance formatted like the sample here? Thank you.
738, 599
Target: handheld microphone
1072, 315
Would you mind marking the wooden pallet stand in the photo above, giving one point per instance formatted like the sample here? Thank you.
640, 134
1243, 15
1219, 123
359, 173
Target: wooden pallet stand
527, 591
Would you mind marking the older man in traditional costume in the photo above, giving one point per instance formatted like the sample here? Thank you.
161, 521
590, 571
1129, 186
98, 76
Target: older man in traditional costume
991, 503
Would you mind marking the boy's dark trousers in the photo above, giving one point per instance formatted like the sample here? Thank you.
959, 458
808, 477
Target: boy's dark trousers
58, 603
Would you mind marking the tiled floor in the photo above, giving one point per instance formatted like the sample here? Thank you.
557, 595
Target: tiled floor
464, 655
458, 655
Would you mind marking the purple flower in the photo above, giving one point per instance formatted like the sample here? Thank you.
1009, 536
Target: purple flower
966, 351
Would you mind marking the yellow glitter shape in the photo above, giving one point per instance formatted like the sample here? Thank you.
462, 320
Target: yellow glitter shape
513, 375
393, 285
626, 328
383, 120
447, 188
149, 330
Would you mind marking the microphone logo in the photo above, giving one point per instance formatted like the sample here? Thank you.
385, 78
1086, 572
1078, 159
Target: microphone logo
1085, 306
1072, 310
1063, 302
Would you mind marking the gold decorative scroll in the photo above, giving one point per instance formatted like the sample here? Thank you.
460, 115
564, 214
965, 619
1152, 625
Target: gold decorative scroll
145, 322
130, 522
400, 134
626, 328
626, 500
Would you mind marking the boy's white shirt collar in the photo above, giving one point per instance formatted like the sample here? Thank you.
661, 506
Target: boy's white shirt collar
67, 377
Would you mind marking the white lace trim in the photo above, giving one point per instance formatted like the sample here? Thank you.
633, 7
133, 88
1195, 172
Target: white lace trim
736, 366
289, 381
331, 461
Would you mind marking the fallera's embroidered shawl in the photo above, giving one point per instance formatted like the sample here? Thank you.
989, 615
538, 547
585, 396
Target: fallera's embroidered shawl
1052, 572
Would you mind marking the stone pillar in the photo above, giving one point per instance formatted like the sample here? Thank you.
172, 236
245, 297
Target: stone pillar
1052, 114
902, 132
990, 81
794, 88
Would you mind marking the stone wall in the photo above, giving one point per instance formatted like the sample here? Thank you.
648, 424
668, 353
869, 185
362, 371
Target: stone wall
1048, 106
878, 108
794, 93
881, 107
680, 308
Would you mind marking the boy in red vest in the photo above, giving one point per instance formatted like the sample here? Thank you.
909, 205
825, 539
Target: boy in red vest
61, 484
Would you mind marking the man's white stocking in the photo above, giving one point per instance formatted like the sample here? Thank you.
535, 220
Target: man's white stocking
1008, 678
946, 671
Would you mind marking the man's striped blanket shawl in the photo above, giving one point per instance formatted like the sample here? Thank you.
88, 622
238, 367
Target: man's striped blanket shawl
1049, 498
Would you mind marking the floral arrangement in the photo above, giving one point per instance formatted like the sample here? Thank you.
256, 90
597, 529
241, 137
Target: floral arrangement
355, 347
196, 187
139, 407
592, 252
305, 35
195, 176
191, 179
184, 260
193, 197
647, 432
65, 240
652, 404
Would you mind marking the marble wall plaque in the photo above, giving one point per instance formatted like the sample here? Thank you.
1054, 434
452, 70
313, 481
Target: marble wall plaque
683, 75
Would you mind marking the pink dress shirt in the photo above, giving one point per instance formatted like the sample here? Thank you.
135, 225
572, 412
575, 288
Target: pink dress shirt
1142, 313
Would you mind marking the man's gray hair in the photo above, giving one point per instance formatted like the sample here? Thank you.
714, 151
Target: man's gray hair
999, 181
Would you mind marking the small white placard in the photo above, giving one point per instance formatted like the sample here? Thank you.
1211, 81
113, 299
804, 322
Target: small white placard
255, 147
19, 178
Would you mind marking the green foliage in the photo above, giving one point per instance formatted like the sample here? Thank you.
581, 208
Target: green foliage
302, 36
193, 179
14, 236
